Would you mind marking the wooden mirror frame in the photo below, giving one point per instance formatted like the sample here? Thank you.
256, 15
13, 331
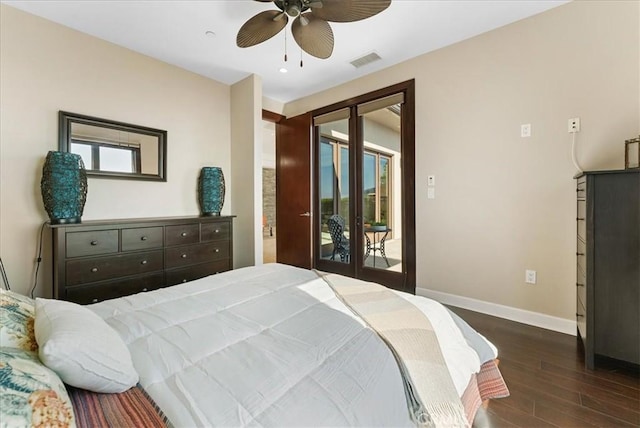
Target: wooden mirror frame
66, 119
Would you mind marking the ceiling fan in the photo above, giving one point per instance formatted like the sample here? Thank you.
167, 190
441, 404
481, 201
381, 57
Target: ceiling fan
310, 28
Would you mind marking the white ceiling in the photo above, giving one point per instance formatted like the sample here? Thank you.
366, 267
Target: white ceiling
174, 32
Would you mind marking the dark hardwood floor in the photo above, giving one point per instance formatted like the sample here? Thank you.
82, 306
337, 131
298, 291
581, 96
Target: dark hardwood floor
549, 383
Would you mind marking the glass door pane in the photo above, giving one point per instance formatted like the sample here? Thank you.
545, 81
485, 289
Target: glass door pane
333, 180
382, 189
383, 177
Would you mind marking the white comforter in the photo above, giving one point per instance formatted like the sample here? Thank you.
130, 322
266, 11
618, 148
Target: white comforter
270, 346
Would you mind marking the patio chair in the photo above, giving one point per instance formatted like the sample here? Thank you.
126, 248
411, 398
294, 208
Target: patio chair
336, 226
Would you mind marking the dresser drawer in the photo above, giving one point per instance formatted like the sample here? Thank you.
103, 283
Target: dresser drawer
581, 320
581, 275
85, 294
581, 210
581, 290
92, 243
581, 219
143, 238
215, 231
581, 188
581, 254
82, 271
194, 254
178, 276
182, 234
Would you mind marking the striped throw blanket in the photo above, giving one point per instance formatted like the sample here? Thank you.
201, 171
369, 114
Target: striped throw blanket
431, 394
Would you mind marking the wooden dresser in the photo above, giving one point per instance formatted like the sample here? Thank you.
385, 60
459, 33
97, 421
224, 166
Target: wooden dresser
608, 265
98, 260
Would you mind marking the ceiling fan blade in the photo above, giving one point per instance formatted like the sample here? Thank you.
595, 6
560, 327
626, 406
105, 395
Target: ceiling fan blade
349, 10
315, 37
261, 27
264, 1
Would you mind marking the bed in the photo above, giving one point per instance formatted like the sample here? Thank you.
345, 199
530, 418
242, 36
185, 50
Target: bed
274, 345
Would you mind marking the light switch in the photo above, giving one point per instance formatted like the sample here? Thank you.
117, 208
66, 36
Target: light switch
525, 130
431, 180
431, 193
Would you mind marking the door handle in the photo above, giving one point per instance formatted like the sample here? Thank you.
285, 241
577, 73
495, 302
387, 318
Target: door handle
307, 214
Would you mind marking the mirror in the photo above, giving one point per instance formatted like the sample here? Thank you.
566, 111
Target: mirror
112, 149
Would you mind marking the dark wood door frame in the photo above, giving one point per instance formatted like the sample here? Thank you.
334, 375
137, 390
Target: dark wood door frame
407, 198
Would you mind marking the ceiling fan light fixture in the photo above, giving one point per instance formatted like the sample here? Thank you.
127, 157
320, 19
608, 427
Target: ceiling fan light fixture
294, 9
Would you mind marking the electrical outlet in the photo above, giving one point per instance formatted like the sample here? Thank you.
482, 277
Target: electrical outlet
530, 276
574, 125
525, 130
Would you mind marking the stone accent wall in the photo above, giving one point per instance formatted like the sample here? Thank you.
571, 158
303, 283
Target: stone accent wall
269, 195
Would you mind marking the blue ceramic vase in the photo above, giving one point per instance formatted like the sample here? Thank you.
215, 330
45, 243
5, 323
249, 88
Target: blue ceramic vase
64, 187
211, 190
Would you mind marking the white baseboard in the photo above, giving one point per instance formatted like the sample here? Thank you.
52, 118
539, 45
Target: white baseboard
501, 311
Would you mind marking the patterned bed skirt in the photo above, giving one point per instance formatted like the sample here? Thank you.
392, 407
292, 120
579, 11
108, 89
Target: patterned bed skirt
487, 384
132, 408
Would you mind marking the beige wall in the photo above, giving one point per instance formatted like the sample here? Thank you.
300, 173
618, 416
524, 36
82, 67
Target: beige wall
505, 203
45, 67
246, 170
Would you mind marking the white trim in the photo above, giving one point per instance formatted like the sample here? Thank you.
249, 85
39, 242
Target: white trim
537, 319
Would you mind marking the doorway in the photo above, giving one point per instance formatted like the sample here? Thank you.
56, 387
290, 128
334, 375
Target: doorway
269, 230
364, 169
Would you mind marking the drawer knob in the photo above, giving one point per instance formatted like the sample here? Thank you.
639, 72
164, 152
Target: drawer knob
94, 243
143, 238
580, 218
94, 269
183, 234
144, 289
144, 262
184, 280
579, 285
579, 254
184, 256
217, 231
217, 250
94, 301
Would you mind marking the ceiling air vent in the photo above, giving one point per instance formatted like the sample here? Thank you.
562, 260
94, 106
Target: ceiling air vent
366, 59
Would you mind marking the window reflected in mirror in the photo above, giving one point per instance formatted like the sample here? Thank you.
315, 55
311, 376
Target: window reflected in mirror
114, 149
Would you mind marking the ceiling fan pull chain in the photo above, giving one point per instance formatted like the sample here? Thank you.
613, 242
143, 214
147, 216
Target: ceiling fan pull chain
285, 46
300, 57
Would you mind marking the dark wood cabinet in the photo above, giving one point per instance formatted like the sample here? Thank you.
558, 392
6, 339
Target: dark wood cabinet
104, 259
608, 265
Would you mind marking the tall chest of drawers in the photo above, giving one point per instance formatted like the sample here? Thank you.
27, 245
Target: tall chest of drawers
98, 260
608, 265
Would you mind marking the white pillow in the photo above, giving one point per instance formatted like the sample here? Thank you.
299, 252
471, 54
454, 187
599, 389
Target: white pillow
82, 348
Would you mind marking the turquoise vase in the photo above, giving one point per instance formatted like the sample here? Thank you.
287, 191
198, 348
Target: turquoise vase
211, 190
64, 187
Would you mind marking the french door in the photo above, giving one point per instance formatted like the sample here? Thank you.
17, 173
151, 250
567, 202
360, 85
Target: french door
364, 187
